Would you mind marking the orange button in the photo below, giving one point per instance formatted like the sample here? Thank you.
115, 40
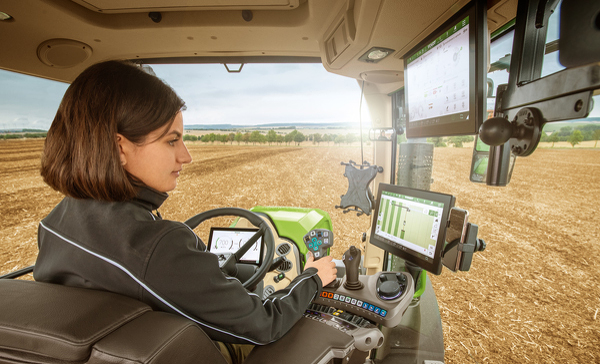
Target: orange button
330, 295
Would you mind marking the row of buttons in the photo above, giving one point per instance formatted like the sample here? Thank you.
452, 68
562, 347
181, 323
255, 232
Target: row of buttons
319, 234
354, 302
357, 321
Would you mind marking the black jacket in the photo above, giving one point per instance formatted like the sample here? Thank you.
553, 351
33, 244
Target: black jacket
125, 248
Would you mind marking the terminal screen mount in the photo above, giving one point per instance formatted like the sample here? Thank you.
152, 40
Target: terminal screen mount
411, 224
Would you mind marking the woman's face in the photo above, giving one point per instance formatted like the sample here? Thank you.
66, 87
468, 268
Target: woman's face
157, 163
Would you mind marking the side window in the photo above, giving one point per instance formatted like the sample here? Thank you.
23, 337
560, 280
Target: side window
571, 133
551, 64
568, 132
27, 103
500, 50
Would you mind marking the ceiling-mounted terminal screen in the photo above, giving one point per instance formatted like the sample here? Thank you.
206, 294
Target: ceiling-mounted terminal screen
445, 77
411, 224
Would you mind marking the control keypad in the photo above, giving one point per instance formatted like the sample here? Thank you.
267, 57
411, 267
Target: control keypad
318, 241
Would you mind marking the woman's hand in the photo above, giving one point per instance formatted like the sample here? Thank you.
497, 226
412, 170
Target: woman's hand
325, 266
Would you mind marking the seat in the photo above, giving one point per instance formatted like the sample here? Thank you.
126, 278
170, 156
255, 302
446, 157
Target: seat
48, 323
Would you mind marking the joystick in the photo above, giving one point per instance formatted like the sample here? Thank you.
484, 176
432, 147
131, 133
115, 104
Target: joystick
318, 241
351, 260
391, 285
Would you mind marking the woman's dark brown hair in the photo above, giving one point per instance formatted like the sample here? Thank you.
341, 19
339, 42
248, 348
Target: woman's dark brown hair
81, 154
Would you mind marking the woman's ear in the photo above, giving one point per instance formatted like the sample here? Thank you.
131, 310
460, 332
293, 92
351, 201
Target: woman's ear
124, 148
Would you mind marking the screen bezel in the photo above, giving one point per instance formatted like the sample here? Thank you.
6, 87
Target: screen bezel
245, 261
476, 11
434, 266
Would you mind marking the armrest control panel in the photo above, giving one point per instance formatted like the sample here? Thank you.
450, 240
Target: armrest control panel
368, 302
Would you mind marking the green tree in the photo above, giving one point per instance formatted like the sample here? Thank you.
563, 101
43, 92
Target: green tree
575, 138
280, 139
317, 138
238, 137
271, 136
255, 137
327, 138
299, 137
231, 138
565, 131
223, 138
246, 137
459, 140
187, 137
596, 136
339, 139
438, 142
290, 136
553, 138
350, 138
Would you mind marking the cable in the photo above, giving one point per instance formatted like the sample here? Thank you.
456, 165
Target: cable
362, 91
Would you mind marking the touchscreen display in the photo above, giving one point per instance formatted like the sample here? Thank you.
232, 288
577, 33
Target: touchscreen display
412, 223
229, 240
438, 76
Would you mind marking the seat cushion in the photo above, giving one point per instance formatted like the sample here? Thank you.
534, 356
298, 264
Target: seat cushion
157, 338
59, 322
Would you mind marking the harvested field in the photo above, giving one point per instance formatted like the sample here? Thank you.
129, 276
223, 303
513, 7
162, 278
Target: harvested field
531, 297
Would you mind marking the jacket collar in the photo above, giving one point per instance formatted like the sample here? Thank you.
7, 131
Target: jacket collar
150, 198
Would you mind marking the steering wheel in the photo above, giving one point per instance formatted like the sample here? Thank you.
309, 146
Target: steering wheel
264, 231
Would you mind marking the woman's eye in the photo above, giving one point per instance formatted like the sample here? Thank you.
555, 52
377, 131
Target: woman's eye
172, 142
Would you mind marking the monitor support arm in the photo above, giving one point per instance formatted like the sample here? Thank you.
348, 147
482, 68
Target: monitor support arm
527, 102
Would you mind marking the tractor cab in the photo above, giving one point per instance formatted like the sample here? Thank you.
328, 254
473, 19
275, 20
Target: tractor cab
425, 69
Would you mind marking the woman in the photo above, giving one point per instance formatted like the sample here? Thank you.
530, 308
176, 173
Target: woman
114, 150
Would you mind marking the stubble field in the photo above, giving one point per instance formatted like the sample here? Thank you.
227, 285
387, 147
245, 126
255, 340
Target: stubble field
531, 297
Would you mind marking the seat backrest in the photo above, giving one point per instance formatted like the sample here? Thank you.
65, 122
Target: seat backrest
48, 323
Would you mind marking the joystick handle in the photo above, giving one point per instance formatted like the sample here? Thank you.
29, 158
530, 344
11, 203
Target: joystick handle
351, 259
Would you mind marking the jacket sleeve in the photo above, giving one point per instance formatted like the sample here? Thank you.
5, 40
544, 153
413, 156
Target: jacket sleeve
182, 278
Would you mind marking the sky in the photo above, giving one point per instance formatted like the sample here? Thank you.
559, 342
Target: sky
259, 94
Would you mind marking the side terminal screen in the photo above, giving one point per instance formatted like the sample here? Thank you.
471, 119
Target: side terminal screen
411, 224
445, 77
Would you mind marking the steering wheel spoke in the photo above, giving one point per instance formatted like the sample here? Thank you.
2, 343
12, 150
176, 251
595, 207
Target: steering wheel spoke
264, 231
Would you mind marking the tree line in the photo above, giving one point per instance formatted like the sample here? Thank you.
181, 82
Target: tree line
457, 141
272, 137
22, 135
573, 136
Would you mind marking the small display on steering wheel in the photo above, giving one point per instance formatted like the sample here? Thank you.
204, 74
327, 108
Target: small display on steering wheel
226, 241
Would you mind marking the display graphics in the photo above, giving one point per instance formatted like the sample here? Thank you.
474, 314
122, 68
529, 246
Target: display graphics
229, 241
438, 77
410, 223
